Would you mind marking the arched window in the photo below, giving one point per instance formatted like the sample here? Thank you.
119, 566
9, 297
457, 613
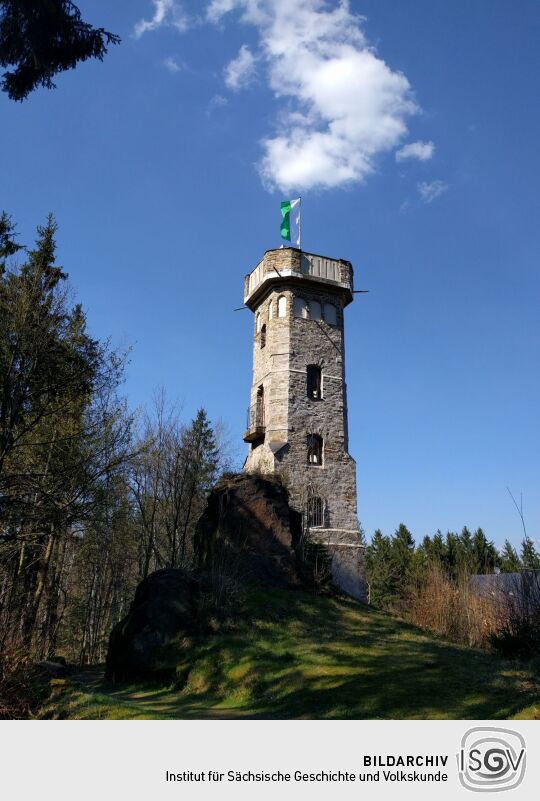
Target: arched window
271, 310
301, 308
315, 511
314, 449
263, 336
330, 313
314, 383
258, 322
315, 310
282, 306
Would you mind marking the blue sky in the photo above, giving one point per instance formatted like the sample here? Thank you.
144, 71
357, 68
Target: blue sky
413, 137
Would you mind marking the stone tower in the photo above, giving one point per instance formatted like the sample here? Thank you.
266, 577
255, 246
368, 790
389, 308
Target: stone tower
297, 417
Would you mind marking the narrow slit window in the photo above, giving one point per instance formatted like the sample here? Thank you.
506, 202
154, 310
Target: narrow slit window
263, 336
315, 449
282, 306
314, 382
259, 408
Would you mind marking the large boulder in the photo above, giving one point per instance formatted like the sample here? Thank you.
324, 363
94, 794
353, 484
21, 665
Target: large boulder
249, 532
146, 643
246, 535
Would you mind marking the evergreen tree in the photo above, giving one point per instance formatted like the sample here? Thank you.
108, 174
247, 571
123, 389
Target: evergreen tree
380, 570
466, 559
202, 459
389, 566
529, 555
40, 38
452, 559
509, 559
8, 245
484, 553
435, 549
61, 429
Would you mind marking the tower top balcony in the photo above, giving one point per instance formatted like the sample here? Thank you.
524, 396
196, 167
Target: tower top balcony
292, 265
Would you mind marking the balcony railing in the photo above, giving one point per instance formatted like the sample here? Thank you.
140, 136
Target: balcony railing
255, 426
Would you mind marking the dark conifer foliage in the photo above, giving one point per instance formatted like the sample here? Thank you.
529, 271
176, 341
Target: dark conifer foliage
394, 564
40, 38
92, 497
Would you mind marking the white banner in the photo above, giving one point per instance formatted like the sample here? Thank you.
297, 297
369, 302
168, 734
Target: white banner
236, 760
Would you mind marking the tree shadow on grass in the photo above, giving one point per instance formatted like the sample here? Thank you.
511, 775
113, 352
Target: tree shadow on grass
306, 656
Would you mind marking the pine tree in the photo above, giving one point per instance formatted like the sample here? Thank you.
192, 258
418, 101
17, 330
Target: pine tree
529, 555
484, 553
452, 558
8, 245
509, 559
202, 459
466, 552
380, 570
39, 39
435, 549
61, 429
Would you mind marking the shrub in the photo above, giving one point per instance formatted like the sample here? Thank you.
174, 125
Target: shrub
449, 608
21, 687
518, 635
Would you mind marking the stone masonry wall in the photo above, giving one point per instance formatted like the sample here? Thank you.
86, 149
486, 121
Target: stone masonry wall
317, 342
280, 367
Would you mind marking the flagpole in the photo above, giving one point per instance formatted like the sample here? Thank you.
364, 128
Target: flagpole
300, 225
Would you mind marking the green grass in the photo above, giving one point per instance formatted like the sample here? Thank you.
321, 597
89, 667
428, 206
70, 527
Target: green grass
307, 656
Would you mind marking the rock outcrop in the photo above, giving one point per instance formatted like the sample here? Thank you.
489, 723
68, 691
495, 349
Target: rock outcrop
247, 535
249, 531
145, 644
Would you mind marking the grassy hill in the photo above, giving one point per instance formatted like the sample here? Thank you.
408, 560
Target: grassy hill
308, 656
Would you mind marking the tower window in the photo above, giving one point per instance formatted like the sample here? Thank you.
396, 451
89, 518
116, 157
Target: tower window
315, 512
330, 313
301, 308
263, 336
270, 310
315, 449
315, 310
314, 382
259, 408
282, 306
258, 322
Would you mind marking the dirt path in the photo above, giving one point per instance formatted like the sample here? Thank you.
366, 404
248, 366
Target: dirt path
90, 678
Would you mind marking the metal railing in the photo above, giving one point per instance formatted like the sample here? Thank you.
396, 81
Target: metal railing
255, 417
316, 513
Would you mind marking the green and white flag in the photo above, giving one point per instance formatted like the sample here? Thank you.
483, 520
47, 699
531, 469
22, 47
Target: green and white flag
290, 221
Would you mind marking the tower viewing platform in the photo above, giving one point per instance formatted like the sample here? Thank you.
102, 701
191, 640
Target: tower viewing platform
296, 266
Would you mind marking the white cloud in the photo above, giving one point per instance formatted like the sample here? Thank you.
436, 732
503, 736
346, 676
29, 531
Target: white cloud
218, 101
345, 106
422, 151
405, 206
217, 8
430, 190
166, 12
171, 64
240, 71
